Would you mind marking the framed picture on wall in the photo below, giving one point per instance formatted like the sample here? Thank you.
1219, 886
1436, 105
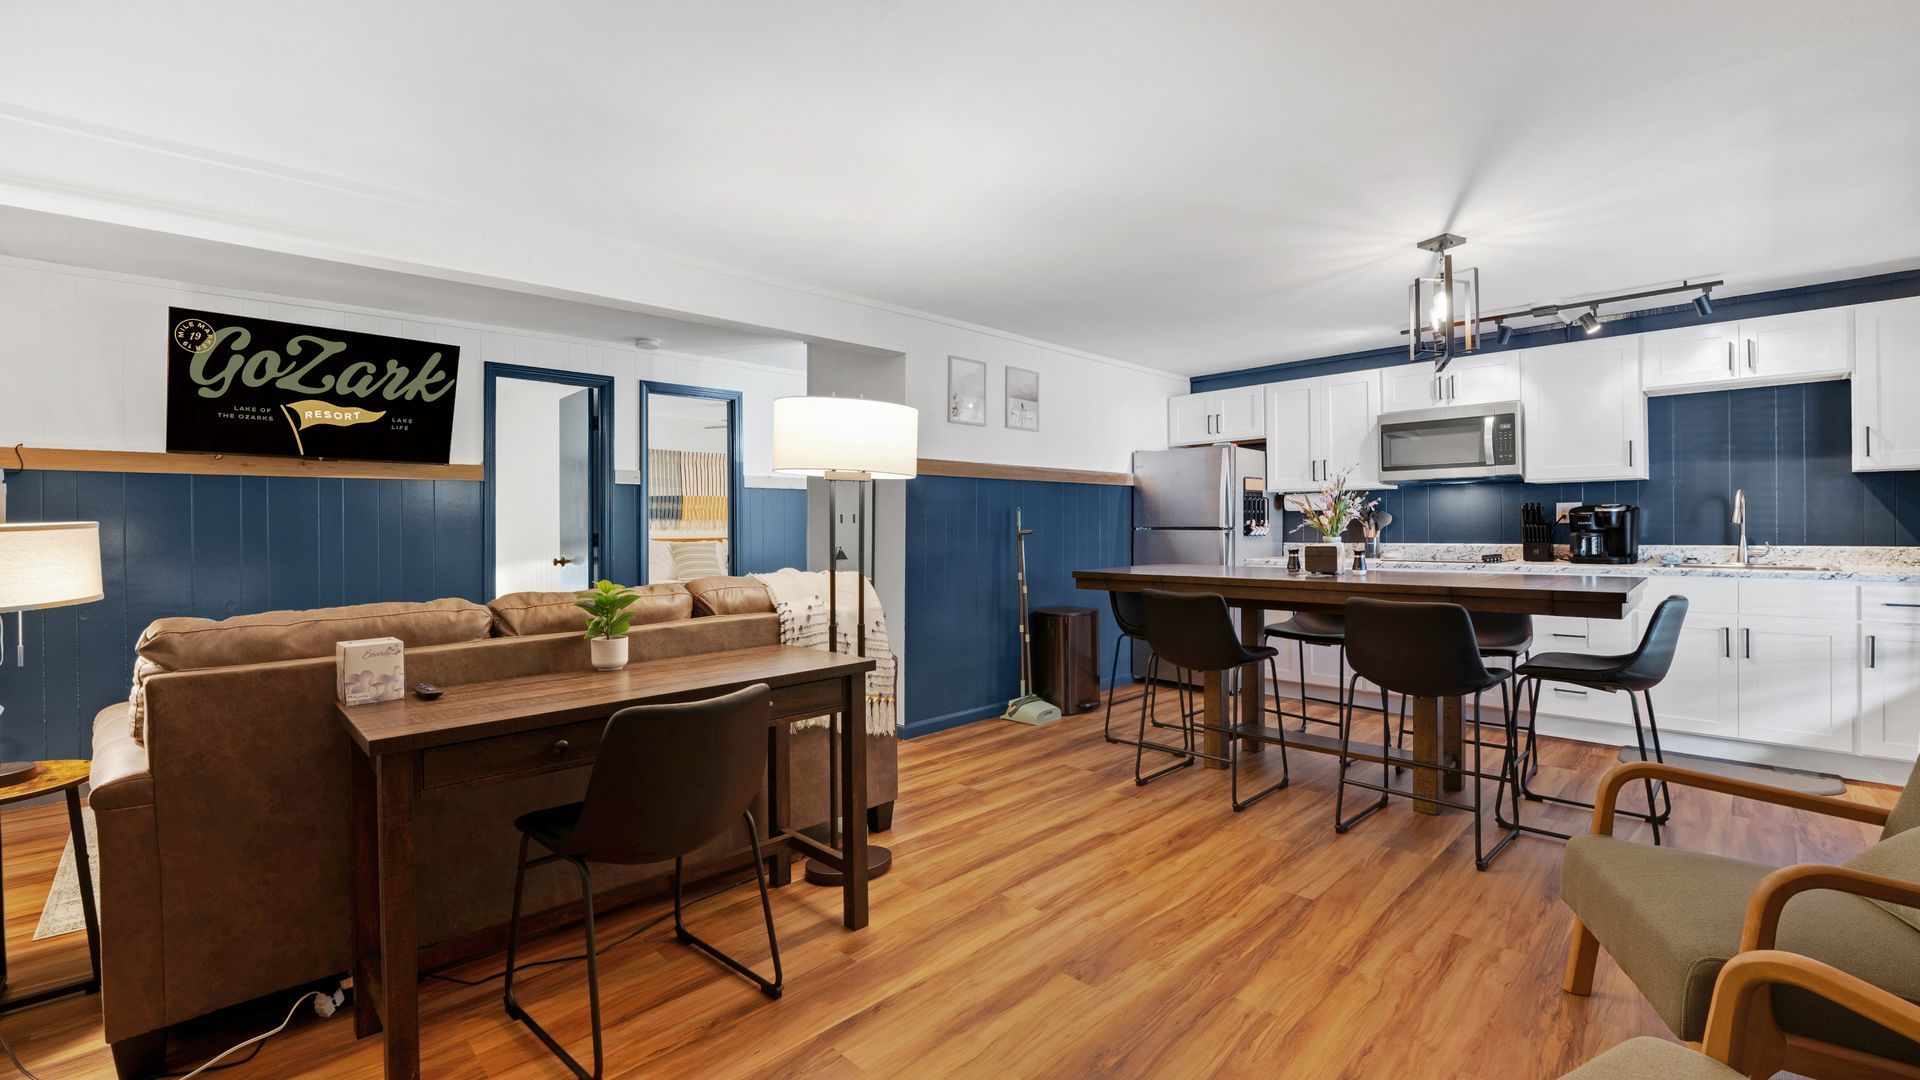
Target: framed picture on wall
1023, 399
966, 391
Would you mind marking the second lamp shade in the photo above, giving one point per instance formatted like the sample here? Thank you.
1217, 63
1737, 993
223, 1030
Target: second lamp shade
818, 436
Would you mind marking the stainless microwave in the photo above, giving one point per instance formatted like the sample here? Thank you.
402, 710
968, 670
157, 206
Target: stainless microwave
1458, 442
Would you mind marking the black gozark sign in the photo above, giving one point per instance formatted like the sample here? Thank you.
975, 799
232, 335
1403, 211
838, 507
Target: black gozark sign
242, 385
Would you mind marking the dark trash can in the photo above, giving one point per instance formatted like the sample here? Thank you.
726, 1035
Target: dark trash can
1066, 657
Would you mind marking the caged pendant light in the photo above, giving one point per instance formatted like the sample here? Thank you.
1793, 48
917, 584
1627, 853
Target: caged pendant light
1441, 302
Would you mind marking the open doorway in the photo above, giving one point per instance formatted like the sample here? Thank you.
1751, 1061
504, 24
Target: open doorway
691, 476
547, 460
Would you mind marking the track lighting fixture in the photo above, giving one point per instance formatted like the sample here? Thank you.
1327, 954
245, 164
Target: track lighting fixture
1703, 304
1590, 320
1506, 334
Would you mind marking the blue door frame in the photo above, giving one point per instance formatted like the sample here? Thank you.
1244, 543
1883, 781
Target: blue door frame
736, 480
599, 461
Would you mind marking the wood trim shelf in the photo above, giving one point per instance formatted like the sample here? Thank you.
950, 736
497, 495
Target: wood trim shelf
136, 461
988, 471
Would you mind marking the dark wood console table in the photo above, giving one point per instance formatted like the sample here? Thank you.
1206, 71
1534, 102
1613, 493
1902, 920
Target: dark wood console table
488, 732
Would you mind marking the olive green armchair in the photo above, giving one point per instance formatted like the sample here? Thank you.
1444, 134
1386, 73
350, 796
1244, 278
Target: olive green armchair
1672, 919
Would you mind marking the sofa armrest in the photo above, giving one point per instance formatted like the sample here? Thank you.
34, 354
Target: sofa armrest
1770, 897
120, 778
1621, 775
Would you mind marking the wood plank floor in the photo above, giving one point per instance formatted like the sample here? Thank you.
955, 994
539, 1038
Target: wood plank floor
1045, 918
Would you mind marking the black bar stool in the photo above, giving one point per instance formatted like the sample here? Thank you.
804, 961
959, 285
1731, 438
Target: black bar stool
1637, 673
1126, 614
666, 780
1428, 651
1501, 636
1194, 631
1305, 628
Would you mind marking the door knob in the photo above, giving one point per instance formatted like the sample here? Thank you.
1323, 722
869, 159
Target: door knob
562, 561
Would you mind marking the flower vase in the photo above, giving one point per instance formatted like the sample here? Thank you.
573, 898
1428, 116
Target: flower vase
1323, 557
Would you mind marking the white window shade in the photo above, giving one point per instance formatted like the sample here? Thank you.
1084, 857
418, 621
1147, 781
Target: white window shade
49, 564
828, 436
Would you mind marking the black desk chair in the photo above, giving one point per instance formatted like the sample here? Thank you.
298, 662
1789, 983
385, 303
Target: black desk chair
1637, 673
667, 779
1305, 628
1430, 651
1193, 631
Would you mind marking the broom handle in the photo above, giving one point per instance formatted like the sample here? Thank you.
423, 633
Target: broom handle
1020, 534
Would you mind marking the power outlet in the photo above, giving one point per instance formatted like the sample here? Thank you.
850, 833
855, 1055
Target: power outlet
1560, 511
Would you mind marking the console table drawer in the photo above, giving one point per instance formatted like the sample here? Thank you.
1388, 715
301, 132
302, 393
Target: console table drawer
562, 747
808, 700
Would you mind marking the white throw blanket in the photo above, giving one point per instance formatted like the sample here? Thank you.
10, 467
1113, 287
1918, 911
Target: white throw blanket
800, 599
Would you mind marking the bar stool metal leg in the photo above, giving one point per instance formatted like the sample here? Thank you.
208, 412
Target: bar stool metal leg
1114, 667
1141, 746
514, 1008
770, 987
1341, 823
1233, 751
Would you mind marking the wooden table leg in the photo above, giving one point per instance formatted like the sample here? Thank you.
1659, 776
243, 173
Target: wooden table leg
1426, 747
399, 970
780, 799
364, 828
1253, 688
1214, 701
853, 803
81, 860
1450, 742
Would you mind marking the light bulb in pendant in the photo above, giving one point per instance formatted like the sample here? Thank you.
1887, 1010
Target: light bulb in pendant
1442, 315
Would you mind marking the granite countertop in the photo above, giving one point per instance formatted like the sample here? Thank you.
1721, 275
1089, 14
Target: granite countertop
1899, 566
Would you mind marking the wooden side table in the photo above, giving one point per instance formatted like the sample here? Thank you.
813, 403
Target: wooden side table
49, 777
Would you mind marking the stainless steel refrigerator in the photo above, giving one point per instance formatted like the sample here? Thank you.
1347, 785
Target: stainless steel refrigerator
1189, 507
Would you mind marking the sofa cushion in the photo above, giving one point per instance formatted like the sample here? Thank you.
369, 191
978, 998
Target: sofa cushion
186, 644
1897, 857
1648, 1058
523, 614
1671, 919
729, 596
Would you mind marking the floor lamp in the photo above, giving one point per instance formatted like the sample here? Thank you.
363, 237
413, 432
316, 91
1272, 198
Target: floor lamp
43, 565
857, 440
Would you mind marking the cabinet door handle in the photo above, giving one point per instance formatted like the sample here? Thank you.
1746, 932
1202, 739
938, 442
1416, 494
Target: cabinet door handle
1750, 364
1582, 637
1873, 649
1894, 603
1569, 693
1730, 368
1746, 643
1453, 390
1439, 388
1869, 440
1726, 642
1629, 453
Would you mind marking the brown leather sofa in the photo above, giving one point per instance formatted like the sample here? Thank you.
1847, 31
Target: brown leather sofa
221, 794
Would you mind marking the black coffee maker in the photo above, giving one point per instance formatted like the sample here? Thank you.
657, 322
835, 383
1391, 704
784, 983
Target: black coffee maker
1604, 533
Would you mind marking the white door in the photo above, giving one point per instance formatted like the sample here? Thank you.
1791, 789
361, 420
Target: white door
1701, 693
1886, 385
1238, 413
1804, 345
1585, 416
1349, 438
1797, 681
1190, 420
1689, 356
1482, 380
1292, 464
1409, 386
1890, 691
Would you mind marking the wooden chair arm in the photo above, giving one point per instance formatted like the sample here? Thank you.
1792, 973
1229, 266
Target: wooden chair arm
1742, 1033
1625, 773
1770, 897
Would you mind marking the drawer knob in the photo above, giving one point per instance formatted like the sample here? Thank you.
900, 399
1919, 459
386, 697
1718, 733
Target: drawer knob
560, 746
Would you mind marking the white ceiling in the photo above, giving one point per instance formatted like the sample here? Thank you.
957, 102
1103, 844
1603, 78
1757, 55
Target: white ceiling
1191, 184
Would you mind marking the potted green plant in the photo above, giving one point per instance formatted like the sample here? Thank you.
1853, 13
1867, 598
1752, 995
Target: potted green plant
607, 623
1327, 513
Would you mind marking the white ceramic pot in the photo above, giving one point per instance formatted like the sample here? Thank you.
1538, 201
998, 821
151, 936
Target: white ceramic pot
609, 654
1322, 558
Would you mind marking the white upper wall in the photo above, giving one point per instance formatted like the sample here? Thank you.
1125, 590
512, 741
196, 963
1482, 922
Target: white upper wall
1094, 411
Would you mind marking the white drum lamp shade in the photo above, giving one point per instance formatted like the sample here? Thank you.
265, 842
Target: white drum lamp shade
49, 564
845, 438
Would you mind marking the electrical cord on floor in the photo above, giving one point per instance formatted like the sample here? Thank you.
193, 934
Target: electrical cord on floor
256, 1042
15, 1058
602, 951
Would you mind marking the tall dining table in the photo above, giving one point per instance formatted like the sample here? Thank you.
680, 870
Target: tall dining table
1437, 724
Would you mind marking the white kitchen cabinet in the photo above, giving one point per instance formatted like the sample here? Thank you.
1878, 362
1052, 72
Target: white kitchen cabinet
1700, 695
1798, 681
1886, 386
1319, 428
1469, 380
1584, 414
1804, 346
1216, 416
1890, 690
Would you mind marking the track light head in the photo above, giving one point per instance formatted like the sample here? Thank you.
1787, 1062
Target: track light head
1590, 321
1506, 334
1703, 304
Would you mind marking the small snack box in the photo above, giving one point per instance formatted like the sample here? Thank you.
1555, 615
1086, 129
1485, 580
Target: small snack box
374, 669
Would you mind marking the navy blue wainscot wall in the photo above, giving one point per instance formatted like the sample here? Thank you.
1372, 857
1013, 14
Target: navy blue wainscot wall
214, 546
962, 660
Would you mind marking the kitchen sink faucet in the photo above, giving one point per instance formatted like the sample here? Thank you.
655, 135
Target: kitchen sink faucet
1745, 557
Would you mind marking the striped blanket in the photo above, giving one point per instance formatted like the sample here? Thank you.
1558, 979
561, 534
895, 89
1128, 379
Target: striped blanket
800, 598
